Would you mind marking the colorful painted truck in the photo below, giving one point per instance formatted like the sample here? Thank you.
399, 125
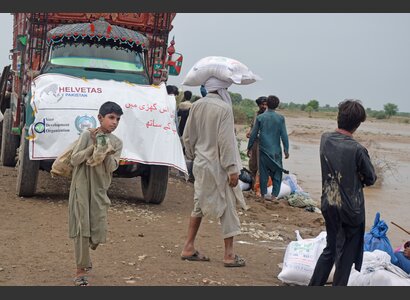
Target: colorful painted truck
107, 49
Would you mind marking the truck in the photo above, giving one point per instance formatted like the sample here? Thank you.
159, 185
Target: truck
44, 43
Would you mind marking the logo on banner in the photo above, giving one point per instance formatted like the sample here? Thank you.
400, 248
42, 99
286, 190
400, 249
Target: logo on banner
40, 127
85, 122
51, 126
51, 94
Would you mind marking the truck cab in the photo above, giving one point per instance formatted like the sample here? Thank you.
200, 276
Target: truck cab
95, 50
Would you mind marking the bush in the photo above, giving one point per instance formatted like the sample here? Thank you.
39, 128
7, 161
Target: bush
243, 115
377, 114
380, 115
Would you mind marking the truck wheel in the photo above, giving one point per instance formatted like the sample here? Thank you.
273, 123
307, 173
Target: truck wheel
1, 135
27, 173
9, 141
154, 184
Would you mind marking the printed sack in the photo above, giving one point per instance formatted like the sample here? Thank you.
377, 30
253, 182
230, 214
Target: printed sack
300, 259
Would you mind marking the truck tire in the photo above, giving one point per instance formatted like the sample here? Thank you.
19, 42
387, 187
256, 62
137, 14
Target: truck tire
27, 173
9, 141
154, 184
1, 136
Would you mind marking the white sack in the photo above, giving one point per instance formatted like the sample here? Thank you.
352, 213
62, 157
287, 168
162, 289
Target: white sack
244, 185
284, 191
377, 270
300, 259
223, 68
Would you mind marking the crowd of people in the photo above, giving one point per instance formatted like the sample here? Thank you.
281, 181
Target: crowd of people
206, 129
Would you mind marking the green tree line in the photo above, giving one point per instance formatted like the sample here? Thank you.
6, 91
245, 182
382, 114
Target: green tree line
244, 109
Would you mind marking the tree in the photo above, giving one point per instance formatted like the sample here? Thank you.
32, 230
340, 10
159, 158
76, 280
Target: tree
235, 97
390, 109
293, 106
309, 110
283, 105
248, 103
314, 104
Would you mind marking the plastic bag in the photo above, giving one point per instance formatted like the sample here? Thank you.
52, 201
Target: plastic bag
377, 238
223, 68
245, 176
102, 148
291, 181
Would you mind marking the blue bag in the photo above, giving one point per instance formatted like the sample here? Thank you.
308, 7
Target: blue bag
377, 239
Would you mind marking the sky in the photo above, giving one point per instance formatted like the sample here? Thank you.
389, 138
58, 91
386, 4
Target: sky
300, 57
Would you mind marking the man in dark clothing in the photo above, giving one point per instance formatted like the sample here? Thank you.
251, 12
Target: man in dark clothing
346, 169
254, 156
183, 111
172, 90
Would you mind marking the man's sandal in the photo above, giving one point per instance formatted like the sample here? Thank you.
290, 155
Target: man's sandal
196, 256
237, 262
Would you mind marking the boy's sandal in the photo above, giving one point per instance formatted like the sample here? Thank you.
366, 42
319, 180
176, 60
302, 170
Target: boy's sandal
81, 280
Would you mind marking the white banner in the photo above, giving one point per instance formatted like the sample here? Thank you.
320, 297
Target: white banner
64, 106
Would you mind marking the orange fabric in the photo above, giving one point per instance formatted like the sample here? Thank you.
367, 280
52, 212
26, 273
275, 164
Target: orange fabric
257, 188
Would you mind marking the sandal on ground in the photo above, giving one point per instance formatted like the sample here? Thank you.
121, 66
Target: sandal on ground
237, 262
196, 256
81, 280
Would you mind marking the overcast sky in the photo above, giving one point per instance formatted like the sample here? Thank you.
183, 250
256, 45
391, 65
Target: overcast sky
327, 57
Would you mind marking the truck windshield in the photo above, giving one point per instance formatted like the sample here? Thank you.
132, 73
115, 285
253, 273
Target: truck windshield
97, 56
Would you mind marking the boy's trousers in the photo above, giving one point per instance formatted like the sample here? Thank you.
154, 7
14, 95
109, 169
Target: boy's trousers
82, 252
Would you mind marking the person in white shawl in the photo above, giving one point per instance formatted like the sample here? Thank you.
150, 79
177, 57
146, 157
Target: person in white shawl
210, 142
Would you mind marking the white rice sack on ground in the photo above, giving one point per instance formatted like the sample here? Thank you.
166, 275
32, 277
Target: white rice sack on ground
284, 191
377, 270
300, 259
244, 185
223, 68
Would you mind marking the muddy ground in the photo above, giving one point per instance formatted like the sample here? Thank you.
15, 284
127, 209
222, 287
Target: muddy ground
145, 241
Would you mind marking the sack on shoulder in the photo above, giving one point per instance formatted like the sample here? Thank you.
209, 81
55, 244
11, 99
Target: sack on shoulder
62, 165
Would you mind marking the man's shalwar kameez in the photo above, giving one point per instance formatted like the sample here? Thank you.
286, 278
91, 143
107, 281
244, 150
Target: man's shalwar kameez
209, 141
271, 129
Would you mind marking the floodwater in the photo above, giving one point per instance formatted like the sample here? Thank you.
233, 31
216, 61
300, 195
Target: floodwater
391, 199
389, 142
